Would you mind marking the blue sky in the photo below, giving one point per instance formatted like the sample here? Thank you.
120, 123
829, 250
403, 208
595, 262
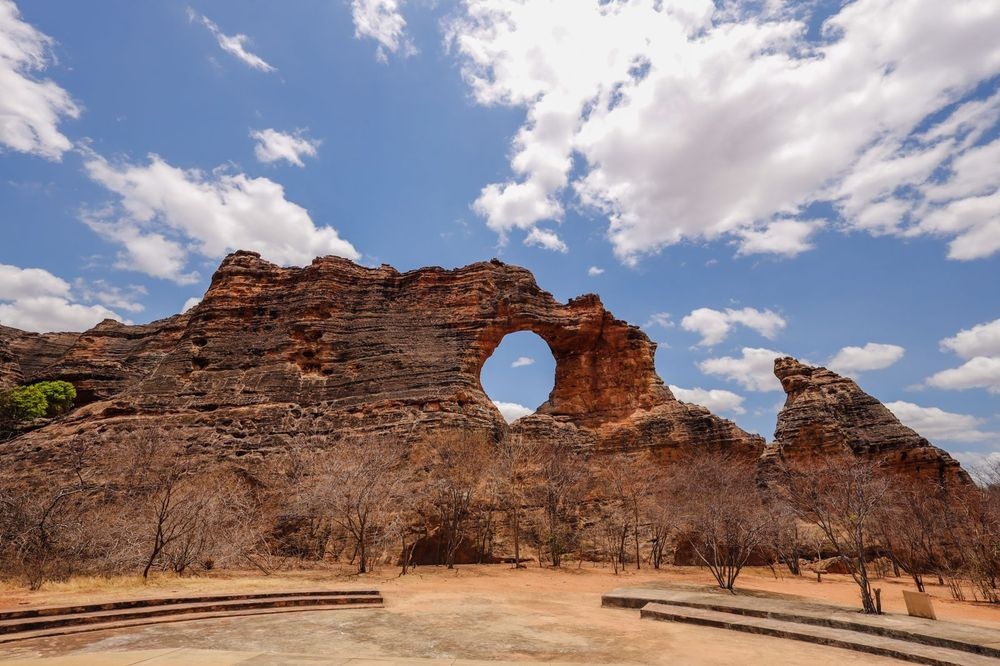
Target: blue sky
819, 179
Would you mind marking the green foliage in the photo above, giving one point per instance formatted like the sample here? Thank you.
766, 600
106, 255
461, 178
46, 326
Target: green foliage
58, 395
23, 403
26, 403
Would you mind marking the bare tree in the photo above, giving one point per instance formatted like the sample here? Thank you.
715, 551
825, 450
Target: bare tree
845, 497
41, 534
458, 472
357, 484
626, 481
559, 487
167, 509
725, 521
916, 528
512, 467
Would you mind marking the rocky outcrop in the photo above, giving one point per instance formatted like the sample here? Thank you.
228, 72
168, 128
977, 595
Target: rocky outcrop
826, 414
10, 369
112, 356
33, 352
334, 348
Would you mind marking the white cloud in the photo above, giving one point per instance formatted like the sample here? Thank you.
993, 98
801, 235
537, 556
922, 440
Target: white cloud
714, 326
30, 108
382, 21
273, 146
980, 340
693, 119
512, 411
594, 271
101, 291
233, 44
788, 238
717, 400
873, 356
165, 214
33, 299
979, 372
522, 361
936, 424
980, 345
754, 370
979, 464
661, 319
17, 283
190, 303
545, 239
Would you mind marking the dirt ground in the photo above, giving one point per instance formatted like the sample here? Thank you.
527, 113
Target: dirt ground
473, 612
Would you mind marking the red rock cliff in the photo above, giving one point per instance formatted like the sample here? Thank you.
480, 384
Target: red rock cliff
334, 348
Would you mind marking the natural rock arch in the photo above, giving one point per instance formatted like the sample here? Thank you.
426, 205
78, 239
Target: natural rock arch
530, 388
335, 348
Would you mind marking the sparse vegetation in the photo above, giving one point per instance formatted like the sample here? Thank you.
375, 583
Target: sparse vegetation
141, 504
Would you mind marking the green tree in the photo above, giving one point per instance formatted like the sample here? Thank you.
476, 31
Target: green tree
23, 403
59, 396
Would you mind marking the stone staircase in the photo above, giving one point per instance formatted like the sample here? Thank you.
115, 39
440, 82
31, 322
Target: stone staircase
40, 622
897, 636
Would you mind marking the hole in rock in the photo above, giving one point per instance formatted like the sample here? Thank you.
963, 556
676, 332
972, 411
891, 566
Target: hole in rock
519, 375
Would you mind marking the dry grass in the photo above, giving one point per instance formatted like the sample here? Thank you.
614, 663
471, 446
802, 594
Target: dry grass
837, 589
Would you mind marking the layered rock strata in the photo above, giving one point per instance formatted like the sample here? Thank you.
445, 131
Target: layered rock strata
826, 414
334, 348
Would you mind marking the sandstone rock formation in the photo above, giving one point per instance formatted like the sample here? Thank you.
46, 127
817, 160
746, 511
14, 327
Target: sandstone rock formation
334, 348
10, 369
826, 414
24, 355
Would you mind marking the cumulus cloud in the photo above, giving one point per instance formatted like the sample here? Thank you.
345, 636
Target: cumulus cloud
164, 214
980, 345
714, 326
981, 372
512, 411
717, 400
979, 464
692, 119
274, 146
522, 361
105, 293
661, 319
980, 340
382, 20
190, 303
30, 108
853, 361
938, 425
235, 45
33, 299
545, 239
787, 238
594, 271
753, 370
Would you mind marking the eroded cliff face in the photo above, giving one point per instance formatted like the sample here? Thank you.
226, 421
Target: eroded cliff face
826, 414
10, 368
24, 355
334, 349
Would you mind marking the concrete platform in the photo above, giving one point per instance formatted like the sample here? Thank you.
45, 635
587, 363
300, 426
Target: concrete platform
29, 623
194, 657
898, 636
819, 635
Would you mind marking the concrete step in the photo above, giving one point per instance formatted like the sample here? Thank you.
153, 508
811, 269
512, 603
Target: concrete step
41, 611
820, 635
185, 607
53, 631
951, 635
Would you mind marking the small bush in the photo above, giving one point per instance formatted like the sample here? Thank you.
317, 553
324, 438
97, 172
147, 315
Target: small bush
23, 403
59, 396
